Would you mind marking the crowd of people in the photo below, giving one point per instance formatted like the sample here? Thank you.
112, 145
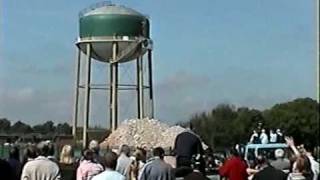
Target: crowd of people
300, 166
39, 162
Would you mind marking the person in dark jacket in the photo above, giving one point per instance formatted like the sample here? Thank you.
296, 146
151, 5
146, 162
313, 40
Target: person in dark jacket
6, 172
267, 172
14, 161
186, 145
196, 174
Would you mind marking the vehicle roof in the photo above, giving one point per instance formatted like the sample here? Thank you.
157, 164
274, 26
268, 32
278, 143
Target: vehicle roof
271, 145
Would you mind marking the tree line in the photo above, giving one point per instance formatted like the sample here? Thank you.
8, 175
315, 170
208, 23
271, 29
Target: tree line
223, 126
20, 127
226, 125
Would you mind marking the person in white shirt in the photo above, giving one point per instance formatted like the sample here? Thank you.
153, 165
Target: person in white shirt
314, 164
307, 151
41, 167
273, 136
263, 137
109, 172
124, 161
254, 139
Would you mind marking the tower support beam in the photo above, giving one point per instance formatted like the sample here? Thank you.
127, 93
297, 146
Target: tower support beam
151, 100
76, 95
140, 92
86, 112
114, 88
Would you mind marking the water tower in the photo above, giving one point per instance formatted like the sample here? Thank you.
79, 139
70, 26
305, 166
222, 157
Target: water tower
112, 34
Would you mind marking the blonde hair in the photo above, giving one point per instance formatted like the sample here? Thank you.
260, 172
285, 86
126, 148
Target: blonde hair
66, 155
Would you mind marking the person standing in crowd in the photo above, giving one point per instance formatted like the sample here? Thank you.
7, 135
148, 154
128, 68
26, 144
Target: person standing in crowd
88, 166
124, 161
267, 172
254, 139
280, 137
29, 154
94, 146
67, 155
234, 168
195, 174
301, 169
6, 172
110, 164
41, 168
186, 145
14, 161
157, 169
263, 137
138, 163
51, 152
281, 162
273, 136
67, 163
314, 164
307, 152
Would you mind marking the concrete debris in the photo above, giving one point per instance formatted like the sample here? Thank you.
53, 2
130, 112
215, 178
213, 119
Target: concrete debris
146, 132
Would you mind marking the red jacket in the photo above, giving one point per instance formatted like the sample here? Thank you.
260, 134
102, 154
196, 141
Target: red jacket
234, 169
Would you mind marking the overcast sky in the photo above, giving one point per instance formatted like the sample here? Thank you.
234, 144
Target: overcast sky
248, 53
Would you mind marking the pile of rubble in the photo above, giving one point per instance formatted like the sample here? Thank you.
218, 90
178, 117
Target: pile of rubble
143, 133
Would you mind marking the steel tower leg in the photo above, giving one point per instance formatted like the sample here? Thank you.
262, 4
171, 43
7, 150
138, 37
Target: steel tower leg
150, 84
140, 101
76, 95
138, 90
110, 97
114, 89
87, 97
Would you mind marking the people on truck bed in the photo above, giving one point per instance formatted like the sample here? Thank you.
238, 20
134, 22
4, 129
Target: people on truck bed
263, 138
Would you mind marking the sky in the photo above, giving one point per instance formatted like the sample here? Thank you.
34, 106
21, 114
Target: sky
253, 53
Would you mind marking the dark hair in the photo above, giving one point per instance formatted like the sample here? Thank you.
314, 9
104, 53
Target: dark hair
125, 149
111, 160
14, 153
50, 149
158, 151
29, 152
88, 154
234, 152
308, 147
141, 154
261, 159
190, 125
43, 149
